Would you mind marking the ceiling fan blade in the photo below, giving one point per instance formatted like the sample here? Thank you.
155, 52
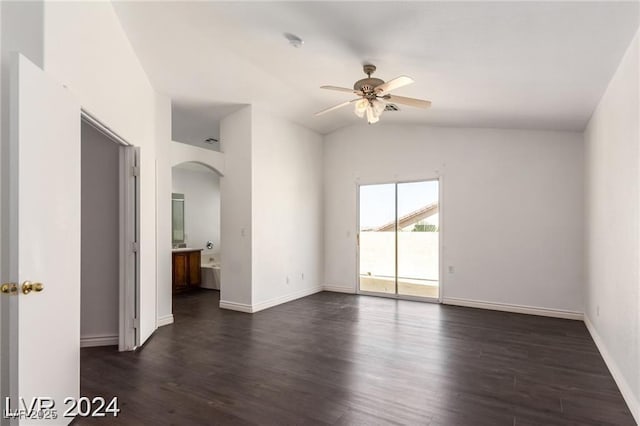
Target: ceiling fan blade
341, 89
417, 103
394, 84
324, 111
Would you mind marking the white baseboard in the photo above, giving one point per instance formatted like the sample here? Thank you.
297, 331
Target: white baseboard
165, 320
519, 309
91, 341
256, 307
286, 298
633, 401
233, 306
338, 289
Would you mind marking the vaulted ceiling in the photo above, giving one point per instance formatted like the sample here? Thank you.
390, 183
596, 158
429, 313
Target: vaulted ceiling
541, 65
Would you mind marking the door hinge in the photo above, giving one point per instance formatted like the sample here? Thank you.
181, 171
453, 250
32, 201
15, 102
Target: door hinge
135, 323
135, 171
135, 246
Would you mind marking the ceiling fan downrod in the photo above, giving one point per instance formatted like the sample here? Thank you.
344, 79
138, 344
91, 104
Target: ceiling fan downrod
369, 69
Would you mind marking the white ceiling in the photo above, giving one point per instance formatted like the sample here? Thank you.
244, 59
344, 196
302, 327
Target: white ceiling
193, 122
486, 64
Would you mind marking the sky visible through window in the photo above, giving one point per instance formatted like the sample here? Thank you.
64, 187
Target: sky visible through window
377, 202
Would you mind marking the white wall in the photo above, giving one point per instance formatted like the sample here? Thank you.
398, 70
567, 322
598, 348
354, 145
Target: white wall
100, 263
181, 153
271, 211
201, 189
612, 226
101, 69
512, 219
235, 209
287, 224
163, 211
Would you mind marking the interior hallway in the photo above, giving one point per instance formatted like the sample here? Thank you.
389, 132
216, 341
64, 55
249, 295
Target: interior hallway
342, 359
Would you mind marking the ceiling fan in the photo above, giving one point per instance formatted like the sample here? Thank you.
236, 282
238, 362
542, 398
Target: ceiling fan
373, 95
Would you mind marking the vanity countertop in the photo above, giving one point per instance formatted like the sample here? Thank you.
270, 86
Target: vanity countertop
185, 249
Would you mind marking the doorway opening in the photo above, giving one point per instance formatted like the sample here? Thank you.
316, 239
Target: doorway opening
195, 229
109, 258
399, 240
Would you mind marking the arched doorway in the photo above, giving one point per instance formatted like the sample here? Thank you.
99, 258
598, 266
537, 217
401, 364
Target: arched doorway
195, 228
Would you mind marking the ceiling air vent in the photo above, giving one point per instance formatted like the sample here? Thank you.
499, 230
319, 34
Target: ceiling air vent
391, 107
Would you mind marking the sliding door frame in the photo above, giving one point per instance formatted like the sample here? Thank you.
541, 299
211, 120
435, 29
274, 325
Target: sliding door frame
441, 268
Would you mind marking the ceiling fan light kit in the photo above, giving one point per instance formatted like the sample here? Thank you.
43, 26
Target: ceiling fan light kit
374, 94
372, 108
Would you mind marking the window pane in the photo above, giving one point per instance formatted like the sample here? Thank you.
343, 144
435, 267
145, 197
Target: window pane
418, 239
377, 238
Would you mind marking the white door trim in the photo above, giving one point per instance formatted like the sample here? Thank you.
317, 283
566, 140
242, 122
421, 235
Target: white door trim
129, 298
91, 119
129, 282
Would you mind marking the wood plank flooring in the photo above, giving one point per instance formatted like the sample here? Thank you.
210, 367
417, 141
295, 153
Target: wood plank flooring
343, 359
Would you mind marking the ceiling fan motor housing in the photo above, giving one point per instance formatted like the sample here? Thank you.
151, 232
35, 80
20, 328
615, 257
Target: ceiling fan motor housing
367, 85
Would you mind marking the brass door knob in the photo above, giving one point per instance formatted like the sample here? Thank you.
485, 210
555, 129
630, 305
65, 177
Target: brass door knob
9, 288
28, 287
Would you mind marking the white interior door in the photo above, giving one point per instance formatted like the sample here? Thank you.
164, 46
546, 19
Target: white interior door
45, 244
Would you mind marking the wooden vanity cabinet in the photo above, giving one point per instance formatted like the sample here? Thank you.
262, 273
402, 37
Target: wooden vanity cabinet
194, 269
186, 270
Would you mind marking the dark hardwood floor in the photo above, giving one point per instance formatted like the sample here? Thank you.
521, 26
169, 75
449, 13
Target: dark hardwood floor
355, 360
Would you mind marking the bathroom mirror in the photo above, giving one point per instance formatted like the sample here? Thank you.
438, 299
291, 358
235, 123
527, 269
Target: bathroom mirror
177, 219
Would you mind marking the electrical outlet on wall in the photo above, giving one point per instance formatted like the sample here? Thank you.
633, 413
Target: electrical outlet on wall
302, 275
451, 269
598, 310
287, 279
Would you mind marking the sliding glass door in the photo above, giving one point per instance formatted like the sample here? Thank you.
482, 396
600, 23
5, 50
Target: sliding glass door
399, 239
